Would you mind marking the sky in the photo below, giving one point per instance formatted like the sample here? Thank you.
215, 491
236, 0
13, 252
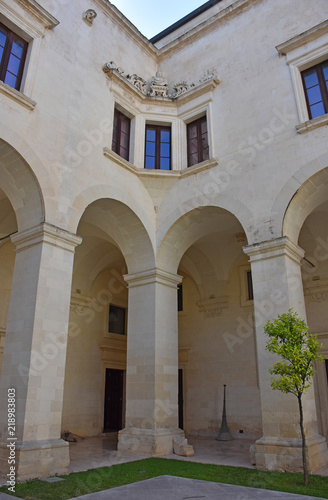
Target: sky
151, 16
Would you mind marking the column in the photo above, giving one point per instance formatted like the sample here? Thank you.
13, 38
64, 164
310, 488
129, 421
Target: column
152, 364
277, 284
35, 352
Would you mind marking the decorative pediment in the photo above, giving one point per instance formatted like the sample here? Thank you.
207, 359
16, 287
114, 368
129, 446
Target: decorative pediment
158, 87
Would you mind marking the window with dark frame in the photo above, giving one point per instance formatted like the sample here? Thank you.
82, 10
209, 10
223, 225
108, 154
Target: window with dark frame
121, 134
197, 141
116, 320
13, 51
250, 294
315, 81
180, 298
158, 147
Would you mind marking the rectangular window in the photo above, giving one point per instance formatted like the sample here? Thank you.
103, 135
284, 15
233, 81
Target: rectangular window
116, 320
315, 81
121, 134
180, 298
12, 57
250, 295
197, 141
158, 147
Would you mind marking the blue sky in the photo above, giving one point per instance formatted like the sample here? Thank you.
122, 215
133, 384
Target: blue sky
151, 16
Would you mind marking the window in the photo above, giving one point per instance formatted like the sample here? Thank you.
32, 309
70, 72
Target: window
158, 147
12, 57
197, 141
180, 298
116, 320
250, 295
121, 134
315, 81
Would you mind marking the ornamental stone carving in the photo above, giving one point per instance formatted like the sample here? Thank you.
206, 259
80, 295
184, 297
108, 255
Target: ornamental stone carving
159, 86
182, 87
88, 16
135, 80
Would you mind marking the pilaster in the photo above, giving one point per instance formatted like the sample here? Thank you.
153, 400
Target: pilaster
277, 286
35, 351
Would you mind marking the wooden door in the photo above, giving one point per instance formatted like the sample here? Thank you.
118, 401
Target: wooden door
113, 411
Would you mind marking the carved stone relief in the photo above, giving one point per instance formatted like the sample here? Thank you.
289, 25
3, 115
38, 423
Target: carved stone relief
88, 16
158, 85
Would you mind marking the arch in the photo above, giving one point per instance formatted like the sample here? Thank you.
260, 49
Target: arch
19, 184
111, 220
281, 214
191, 227
312, 193
188, 202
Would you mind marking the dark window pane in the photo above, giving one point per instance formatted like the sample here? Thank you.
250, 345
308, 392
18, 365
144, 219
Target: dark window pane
13, 65
165, 150
193, 159
250, 295
192, 130
314, 95
205, 154
151, 135
17, 49
3, 37
193, 146
10, 80
150, 162
204, 127
311, 79
150, 149
325, 71
165, 136
121, 135
317, 110
116, 321
165, 164
1, 52
180, 298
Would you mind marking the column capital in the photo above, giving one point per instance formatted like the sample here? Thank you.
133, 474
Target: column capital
46, 233
282, 246
154, 275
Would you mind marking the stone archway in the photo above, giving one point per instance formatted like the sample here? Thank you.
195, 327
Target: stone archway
216, 334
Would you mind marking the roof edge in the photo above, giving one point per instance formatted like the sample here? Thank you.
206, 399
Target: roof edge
184, 20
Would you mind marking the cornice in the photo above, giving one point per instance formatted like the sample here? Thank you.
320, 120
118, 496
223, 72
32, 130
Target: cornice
204, 27
303, 38
142, 172
127, 27
48, 21
274, 248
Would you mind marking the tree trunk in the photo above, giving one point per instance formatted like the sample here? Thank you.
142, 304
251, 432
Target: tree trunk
304, 450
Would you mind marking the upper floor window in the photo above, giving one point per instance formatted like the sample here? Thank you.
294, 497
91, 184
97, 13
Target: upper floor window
12, 57
197, 141
116, 320
121, 134
158, 147
315, 82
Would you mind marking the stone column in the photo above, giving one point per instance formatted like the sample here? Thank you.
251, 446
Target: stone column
277, 284
35, 352
152, 364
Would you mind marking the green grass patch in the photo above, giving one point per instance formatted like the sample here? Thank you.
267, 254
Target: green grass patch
82, 483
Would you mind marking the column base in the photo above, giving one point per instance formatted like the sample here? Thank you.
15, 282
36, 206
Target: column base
34, 459
285, 455
151, 442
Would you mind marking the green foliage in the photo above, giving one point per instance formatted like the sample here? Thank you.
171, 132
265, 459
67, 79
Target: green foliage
298, 349
95, 480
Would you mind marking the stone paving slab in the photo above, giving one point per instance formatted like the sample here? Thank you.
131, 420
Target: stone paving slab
177, 488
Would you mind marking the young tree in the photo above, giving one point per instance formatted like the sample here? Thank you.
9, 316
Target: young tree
298, 349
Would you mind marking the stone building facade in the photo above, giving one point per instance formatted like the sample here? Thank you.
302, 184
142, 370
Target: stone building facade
130, 168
